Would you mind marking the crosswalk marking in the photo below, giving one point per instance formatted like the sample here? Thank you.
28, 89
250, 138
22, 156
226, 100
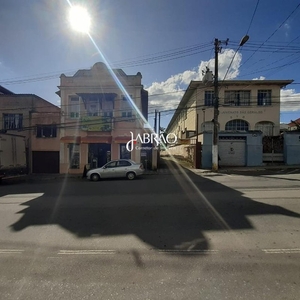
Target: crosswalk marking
189, 251
11, 251
159, 251
86, 252
280, 251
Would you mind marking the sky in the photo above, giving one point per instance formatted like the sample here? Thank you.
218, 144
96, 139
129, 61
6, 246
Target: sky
169, 41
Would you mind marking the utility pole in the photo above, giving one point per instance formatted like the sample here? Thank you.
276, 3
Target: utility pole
158, 124
155, 121
215, 153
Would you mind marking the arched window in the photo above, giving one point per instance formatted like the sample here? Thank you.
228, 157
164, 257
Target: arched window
237, 125
265, 127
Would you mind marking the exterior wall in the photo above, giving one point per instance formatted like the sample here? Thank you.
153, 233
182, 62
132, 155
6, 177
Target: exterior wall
252, 114
35, 111
254, 155
292, 148
45, 144
197, 111
184, 151
99, 81
186, 119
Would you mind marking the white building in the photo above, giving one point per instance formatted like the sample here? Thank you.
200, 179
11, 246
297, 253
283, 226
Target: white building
243, 105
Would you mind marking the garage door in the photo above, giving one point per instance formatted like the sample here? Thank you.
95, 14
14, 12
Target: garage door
45, 162
232, 151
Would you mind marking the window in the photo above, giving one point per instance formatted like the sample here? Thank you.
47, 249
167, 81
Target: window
237, 98
108, 114
111, 164
74, 107
126, 114
74, 156
237, 125
124, 153
123, 163
46, 131
265, 127
12, 121
209, 98
93, 109
264, 97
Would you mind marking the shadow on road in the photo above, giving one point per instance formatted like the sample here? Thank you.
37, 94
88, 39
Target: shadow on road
166, 212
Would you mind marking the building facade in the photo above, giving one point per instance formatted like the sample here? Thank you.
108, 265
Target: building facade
243, 105
248, 121
38, 121
101, 110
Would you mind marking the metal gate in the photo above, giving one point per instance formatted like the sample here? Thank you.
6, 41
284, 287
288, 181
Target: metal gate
232, 151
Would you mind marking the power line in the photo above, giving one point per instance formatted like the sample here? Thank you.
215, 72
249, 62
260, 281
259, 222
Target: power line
186, 51
253, 16
272, 33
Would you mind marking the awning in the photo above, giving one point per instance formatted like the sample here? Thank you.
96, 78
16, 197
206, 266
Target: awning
96, 140
71, 139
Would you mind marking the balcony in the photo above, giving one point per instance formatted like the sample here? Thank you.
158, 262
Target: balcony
96, 123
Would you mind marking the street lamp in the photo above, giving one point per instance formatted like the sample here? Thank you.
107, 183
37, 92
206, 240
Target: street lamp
215, 154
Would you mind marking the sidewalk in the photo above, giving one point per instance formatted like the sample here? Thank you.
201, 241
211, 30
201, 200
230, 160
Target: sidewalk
240, 170
235, 169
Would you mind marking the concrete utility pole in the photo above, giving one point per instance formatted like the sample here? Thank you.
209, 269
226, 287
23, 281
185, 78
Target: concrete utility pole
215, 152
216, 109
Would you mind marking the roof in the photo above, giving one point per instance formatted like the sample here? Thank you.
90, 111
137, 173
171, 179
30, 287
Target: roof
199, 84
292, 124
5, 91
29, 95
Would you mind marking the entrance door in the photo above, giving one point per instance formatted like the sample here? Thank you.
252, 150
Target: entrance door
99, 155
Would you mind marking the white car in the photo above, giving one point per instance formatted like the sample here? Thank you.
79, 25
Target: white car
117, 168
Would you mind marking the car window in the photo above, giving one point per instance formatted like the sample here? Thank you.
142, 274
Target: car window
111, 164
123, 163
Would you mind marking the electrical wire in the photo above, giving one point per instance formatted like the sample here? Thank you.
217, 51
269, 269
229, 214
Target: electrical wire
252, 16
272, 34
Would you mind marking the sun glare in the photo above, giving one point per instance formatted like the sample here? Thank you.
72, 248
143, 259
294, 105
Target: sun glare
79, 19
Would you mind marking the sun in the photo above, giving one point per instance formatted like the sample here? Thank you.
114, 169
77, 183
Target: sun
80, 19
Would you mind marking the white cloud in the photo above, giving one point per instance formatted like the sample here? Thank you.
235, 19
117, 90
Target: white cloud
259, 78
290, 100
167, 94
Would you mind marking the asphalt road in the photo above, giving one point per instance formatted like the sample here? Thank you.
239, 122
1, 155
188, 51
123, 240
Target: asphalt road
171, 235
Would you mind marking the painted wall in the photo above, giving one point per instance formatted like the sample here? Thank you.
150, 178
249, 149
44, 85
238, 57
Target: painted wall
292, 148
253, 153
99, 80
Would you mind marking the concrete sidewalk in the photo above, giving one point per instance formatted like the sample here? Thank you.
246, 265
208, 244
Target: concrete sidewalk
233, 169
259, 169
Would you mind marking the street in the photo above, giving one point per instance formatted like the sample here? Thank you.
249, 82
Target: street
171, 235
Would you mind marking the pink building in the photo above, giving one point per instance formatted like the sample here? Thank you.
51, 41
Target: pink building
100, 109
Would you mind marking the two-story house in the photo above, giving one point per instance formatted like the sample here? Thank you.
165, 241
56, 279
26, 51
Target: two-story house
38, 121
100, 110
244, 106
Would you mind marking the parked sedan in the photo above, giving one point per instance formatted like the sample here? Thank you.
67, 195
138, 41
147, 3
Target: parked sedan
117, 168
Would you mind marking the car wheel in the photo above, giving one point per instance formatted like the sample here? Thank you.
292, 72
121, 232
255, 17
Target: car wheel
95, 177
130, 175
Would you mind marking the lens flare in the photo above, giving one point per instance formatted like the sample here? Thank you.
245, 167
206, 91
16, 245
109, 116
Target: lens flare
80, 19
